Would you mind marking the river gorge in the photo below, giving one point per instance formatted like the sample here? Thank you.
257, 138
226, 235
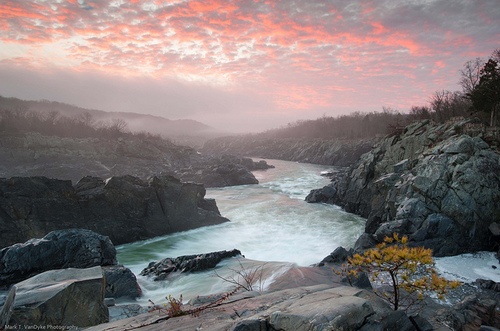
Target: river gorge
270, 221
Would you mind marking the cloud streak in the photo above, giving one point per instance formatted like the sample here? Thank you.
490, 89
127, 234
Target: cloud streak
286, 59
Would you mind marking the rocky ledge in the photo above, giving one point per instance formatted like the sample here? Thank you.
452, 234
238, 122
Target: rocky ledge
313, 298
437, 184
335, 152
126, 208
34, 154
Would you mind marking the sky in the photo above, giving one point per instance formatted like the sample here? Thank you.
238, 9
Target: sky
245, 65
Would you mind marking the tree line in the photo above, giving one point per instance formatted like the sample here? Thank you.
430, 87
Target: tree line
19, 120
479, 98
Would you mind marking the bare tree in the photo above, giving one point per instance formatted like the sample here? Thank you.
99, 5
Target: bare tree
470, 74
447, 104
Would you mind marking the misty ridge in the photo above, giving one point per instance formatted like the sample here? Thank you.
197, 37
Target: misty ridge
63, 120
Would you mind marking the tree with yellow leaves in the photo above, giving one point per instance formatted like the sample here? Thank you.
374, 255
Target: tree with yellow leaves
409, 271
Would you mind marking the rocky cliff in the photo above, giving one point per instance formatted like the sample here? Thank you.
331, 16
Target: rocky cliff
34, 154
125, 208
319, 151
438, 184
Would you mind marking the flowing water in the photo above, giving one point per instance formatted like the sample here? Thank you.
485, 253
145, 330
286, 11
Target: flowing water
269, 222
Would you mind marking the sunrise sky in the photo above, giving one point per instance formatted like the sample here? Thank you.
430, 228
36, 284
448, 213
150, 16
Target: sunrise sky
241, 65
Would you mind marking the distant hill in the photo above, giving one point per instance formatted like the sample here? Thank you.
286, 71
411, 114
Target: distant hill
182, 131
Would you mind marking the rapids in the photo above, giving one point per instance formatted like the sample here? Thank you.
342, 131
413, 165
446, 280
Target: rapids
270, 221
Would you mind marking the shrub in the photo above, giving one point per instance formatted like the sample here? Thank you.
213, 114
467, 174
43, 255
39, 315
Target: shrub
408, 271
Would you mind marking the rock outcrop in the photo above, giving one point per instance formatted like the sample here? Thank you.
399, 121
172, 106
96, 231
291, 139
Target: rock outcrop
125, 209
319, 151
223, 170
34, 154
57, 250
315, 307
57, 298
187, 263
434, 183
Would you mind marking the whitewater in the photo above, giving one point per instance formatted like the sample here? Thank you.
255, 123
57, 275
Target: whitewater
269, 222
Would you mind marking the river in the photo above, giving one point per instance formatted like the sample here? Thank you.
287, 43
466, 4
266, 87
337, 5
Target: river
270, 221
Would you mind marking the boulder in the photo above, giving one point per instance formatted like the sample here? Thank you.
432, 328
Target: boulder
187, 263
77, 248
224, 170
339, 255
67, 297
227, 175
325, 194
124, 208
326, 310
121, 282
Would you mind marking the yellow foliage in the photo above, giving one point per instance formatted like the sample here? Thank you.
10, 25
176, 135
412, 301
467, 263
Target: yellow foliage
393, 263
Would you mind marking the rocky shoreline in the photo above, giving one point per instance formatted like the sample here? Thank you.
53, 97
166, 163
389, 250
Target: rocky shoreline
78, 289
34, 154
125, 208
336, 152
437, 184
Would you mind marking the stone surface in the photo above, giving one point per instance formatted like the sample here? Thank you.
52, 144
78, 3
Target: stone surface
121, 282
318, 307
478, 310
432, 183
322, 311
125, 208
187, 263
120, 312
339, 255
67, 297
251, 325
325, 194
7, 308
77, 248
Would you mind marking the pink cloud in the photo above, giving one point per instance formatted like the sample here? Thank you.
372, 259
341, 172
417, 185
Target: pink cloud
305, 56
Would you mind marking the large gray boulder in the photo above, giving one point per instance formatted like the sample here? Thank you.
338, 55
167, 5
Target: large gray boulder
125, 208
121, 282
77, 248
434, 183
67, 297
327, 310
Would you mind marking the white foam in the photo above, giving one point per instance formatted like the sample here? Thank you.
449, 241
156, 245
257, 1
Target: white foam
469, 267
